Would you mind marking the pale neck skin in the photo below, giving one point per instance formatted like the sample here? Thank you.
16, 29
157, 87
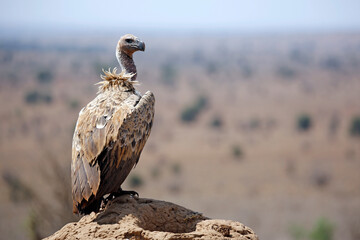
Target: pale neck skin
126, 63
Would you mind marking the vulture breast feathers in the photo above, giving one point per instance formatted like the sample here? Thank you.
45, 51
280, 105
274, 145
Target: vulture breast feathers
110, 134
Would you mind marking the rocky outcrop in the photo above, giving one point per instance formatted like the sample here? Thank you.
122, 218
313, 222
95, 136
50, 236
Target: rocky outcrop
138, 218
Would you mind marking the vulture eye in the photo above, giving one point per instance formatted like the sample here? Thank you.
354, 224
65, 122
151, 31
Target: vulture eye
129, 40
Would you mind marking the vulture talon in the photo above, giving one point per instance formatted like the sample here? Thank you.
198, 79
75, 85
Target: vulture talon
122, 192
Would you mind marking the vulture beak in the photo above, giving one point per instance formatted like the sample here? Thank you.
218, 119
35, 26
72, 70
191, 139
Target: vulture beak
141, 46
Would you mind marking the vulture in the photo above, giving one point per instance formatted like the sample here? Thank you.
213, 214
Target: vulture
110, 132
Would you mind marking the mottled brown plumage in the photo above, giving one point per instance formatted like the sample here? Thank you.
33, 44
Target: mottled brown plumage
110, 133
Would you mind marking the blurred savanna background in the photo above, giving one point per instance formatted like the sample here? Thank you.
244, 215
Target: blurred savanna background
257, 109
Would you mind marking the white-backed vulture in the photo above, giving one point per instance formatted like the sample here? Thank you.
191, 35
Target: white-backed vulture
111, 132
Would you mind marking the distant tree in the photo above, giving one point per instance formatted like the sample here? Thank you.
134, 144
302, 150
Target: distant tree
323, 230
201, 102
46, 98
355, 127
34, 97
211, 68
216, 122
176, 168
237, 151
301, 56
332, 63
7, 57
191, 112
247, 71
198, 56
45, 76
254, 123
304, 122
73, 104
285, 71
136, 181
155, 172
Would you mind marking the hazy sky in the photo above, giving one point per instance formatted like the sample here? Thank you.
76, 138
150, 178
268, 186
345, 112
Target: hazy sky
249, 15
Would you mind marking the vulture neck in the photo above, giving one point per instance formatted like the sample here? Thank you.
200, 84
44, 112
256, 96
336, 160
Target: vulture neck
127, 63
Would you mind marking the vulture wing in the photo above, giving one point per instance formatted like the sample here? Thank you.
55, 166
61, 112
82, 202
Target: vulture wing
108, 140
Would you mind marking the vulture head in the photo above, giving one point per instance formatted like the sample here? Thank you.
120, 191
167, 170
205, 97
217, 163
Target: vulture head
129, 44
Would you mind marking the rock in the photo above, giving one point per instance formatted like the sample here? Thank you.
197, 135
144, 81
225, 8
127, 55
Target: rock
126, 217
